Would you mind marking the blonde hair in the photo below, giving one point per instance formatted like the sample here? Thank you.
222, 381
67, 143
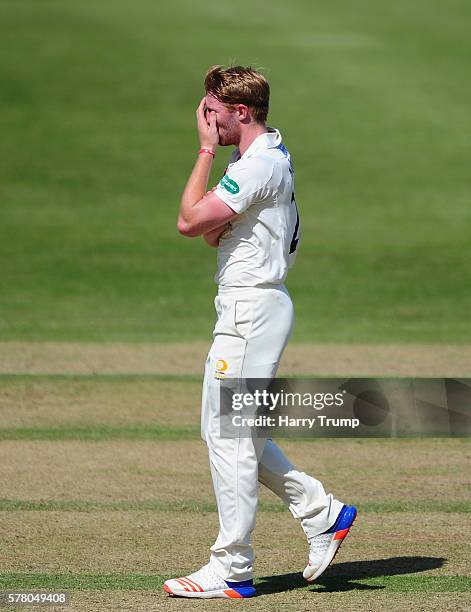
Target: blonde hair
240, 85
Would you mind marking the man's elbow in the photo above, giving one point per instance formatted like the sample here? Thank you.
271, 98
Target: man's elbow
186, 229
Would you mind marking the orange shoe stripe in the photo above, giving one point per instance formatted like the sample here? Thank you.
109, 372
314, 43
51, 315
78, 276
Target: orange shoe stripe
194, 584
185, 580
233, 594
184, 585
341, 534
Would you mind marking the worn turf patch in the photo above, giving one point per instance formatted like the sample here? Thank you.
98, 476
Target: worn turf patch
114, 401
123, 557
150, 542
181, 361
366, 471
96, 377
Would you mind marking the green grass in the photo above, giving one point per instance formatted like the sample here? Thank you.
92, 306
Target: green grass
97, 117
125, 582
100, 432
156, 505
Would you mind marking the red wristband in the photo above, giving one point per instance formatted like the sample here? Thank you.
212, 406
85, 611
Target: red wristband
210, 151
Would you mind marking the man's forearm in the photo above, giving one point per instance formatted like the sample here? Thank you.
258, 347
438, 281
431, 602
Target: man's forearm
212, 237
196, 186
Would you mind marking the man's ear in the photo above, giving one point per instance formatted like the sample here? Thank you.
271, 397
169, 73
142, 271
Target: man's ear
242, 111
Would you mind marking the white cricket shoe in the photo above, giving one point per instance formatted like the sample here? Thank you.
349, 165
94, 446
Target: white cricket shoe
324, 547
206, 583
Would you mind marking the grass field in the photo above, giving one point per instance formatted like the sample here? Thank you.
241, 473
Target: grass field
97, 118
106, 314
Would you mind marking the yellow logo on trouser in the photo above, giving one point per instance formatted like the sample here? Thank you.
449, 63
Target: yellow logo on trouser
221, 367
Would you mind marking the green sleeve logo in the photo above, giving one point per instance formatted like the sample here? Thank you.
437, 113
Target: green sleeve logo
229, 185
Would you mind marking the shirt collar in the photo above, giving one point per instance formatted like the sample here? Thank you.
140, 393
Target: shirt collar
268, 140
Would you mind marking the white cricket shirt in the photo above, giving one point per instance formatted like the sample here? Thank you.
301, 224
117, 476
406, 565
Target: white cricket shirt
260, 245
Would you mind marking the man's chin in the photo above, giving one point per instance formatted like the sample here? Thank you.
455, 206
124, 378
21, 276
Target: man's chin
225, 140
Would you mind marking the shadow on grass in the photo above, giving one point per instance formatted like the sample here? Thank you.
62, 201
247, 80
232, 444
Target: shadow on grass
342, 576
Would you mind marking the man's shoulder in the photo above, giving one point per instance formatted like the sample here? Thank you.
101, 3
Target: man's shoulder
275, 161
259, 163
265, 158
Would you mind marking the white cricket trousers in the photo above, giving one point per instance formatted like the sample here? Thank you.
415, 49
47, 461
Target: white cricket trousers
252, 329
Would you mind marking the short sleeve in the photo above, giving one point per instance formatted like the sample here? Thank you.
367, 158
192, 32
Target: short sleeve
246, 182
